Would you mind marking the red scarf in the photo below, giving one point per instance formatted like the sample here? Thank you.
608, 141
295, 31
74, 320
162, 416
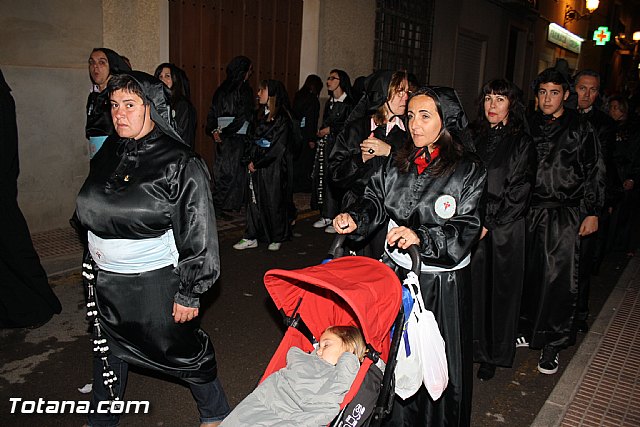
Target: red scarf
422, 162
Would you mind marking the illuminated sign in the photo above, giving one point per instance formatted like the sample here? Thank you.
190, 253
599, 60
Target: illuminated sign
602, 35
564, 38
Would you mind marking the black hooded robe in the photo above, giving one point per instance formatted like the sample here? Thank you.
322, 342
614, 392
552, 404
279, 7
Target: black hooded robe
411, 200
268, 211
25, 296
569, 186
138, 189
234, 98
497, 263
444, 211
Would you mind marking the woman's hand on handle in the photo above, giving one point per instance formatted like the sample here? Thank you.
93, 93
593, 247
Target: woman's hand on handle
402, 237
344, 224
183, 314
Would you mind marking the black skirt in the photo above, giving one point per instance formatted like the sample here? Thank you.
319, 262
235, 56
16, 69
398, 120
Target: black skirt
135, 313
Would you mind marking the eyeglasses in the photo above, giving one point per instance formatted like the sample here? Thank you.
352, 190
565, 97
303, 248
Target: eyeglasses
332, 78
402, 91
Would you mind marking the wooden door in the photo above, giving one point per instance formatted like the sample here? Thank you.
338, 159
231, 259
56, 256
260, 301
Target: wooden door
204, 35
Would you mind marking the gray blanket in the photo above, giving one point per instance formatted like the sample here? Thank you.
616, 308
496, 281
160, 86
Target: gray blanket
307, 392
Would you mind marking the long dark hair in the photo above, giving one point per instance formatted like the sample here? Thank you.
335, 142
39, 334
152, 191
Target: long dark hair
450, 146
516, 118
180, 88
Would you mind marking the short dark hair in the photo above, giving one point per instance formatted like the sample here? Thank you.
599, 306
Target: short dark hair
551, 75
126, 83
587, 72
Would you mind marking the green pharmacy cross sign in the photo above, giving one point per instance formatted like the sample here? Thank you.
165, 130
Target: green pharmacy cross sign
602, 35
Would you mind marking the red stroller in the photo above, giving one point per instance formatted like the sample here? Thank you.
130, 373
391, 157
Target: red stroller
355, 291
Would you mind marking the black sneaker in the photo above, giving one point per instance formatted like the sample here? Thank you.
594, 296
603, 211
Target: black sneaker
548, 363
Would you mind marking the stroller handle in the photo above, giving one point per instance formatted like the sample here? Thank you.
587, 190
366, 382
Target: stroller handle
337, 250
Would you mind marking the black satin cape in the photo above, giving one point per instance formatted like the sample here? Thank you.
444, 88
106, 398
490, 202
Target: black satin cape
141, 189
497, 262
570, 184
409, 199
268, 218
234, 98
25, 296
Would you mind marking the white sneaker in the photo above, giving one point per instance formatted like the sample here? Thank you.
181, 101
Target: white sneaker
275, 246
329, 229
322, 222
246, 244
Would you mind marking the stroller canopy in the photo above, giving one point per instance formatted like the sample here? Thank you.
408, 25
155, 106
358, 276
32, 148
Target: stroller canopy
352, 290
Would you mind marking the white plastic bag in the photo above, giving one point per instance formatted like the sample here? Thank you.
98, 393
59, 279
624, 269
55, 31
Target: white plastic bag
426, 362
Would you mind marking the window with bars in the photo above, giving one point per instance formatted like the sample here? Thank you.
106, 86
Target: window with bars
403, 36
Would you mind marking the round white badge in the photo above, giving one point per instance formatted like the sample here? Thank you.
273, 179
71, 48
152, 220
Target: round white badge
445, 206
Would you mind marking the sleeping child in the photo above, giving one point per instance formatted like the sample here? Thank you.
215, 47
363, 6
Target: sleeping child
309, 390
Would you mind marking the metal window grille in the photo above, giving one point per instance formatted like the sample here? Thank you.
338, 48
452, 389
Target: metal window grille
404, 36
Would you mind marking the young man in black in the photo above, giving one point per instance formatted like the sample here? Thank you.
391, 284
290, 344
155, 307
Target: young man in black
565, 205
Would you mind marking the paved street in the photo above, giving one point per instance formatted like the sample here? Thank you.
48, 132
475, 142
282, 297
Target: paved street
52, 362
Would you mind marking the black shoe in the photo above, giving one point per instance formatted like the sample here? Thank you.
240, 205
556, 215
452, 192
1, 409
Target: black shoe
581, 326
486, 371
548, 363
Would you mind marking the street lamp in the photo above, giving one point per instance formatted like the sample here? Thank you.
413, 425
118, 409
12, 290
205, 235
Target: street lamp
571, 14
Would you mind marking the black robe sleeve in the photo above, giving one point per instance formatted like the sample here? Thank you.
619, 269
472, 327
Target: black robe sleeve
447, 244
264, 157
228, 102
513, 203
194, 229
594, 174
346, 168
443, 243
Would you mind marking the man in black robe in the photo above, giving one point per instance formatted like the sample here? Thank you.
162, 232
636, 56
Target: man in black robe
587, 87
26, 300
565, 204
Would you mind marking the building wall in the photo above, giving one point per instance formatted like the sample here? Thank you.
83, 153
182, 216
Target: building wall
138, 30
43, 55
346, 36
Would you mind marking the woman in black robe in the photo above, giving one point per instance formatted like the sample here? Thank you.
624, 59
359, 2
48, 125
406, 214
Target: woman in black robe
26, 300
429, 191
227, 122
183, 113
99, 126
375, 130
324, 195
153, 250
268, 211
497, 264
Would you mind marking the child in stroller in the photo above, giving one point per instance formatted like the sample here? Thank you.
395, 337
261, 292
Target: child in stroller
309, 389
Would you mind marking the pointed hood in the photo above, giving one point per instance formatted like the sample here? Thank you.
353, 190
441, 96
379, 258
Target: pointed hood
158, 95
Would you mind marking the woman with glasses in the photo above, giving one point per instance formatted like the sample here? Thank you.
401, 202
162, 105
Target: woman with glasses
375, 130
324, 196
